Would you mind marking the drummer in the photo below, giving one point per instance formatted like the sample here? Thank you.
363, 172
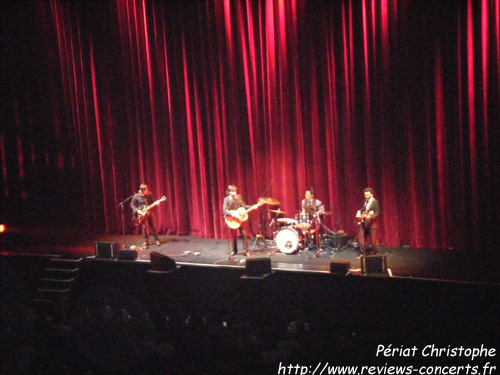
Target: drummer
311, 205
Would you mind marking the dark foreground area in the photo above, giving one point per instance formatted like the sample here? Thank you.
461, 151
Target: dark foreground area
119, 318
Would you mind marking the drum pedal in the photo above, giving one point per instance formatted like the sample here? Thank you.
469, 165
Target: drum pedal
257, 243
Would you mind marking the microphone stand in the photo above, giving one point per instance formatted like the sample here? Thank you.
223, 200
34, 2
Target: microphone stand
229, 250
335, 235
319, 252
123, 220
255, 240
267, 188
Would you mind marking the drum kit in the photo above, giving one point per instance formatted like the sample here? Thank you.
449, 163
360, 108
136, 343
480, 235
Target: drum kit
304, 233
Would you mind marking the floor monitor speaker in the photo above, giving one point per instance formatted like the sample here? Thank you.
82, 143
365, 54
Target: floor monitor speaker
373, 264
340, 267
162, 263
126, 254
258, 268
105, 250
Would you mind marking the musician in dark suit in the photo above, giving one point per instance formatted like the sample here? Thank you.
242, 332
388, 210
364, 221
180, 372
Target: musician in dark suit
232, 202
367, 217
140, 200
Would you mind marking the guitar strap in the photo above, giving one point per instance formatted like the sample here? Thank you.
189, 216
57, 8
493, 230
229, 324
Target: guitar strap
368, 205
234, 204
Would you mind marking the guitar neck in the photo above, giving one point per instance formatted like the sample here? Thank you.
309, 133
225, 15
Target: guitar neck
254, 207
250, 209
154, 204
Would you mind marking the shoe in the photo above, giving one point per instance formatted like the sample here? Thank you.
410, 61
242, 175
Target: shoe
246, 253
234, 252
158, 243
145, 244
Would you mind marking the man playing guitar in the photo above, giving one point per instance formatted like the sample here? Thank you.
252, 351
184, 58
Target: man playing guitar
367, 220
236, 214
142, 199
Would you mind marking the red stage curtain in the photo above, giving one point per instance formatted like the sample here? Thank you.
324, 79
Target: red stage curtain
191, 96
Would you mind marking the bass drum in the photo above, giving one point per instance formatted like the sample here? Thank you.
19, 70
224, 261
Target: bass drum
287, 240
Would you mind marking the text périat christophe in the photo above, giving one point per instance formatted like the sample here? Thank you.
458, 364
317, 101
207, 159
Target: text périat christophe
434, 351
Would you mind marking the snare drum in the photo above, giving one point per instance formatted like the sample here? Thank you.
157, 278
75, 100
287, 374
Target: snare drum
303, 221
285, 221
287, 240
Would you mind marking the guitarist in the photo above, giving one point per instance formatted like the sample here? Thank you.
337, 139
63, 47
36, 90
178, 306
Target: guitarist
232, 202
140, 200
367, 218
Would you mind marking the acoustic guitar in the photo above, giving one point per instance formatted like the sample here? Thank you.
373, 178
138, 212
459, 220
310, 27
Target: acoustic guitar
234, 222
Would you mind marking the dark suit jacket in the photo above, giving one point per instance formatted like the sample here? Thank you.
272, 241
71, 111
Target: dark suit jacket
375, 207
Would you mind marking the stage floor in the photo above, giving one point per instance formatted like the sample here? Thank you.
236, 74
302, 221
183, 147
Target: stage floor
449, 265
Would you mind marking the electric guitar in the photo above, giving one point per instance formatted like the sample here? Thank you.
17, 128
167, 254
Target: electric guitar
241, 215
141, 214
364, 219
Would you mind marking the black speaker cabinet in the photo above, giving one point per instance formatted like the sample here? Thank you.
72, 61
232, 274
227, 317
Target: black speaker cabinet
373, 264
259, 267
162, 263
126, 254
339, 267
105, 250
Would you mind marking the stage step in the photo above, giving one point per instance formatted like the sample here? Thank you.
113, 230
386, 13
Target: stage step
65, 281
58, 281
65, 264
43, 302
62, 271
53, 291
56, 284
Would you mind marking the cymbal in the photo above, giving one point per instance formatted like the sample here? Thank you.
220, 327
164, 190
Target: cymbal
270, 200
278, 211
